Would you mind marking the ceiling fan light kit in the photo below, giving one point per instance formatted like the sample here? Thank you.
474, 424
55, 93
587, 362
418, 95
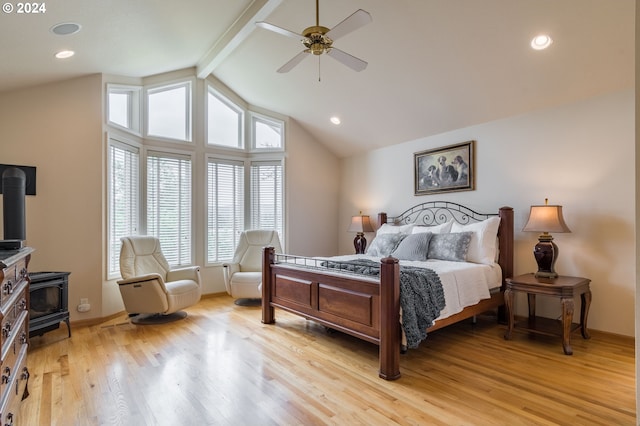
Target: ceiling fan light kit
318, 39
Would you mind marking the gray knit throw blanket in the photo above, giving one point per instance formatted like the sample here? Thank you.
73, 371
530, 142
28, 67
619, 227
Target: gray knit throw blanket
421, 295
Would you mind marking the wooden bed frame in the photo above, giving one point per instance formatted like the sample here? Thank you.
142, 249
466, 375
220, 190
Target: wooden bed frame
371, 310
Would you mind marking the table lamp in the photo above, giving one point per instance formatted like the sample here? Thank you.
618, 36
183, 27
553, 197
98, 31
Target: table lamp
545, 219
360, 224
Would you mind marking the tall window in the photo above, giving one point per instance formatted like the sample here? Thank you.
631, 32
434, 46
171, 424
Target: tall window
169, 205
123, 186
225, 208
169, 111
267, 206
224, 121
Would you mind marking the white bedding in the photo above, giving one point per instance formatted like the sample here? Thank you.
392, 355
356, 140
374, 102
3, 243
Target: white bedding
464, 283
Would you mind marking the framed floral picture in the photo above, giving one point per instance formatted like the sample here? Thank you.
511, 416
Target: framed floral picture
446, 169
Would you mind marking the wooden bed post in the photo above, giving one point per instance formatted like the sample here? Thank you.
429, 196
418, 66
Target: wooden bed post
268, 258
505, 235
382, 218
505, 257
389, 319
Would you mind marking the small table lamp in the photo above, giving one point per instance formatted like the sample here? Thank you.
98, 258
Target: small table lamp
360, 224
546, 219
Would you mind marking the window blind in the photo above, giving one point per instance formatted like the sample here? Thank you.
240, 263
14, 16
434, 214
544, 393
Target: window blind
169, 205
124, 178
267, 207
225, 208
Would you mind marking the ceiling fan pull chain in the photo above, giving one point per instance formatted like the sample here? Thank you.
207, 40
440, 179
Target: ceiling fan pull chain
318, 69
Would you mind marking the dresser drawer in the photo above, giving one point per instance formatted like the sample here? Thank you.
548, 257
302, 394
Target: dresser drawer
11, 310
13, 276
14, 389
11, 350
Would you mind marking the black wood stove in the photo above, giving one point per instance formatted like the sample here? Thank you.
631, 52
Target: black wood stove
48, 302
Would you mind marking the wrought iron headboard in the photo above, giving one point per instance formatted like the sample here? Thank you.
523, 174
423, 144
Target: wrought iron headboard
434, 213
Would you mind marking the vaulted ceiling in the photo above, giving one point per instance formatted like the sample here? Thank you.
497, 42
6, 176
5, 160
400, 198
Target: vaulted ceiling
433, 65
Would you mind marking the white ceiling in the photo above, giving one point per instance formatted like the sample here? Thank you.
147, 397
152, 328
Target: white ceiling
434, 65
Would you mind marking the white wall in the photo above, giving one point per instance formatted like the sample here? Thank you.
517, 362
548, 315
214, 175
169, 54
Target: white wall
313, 177
57, 128
579, 156
637, 204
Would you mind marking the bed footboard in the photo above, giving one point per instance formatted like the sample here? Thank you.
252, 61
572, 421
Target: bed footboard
367, 308
363, 308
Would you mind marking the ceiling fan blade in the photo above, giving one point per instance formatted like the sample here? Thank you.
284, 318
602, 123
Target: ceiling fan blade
276, 29
348, 60
293, 62
357, 19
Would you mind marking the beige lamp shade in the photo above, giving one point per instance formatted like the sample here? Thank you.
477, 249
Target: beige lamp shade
360, 224
546, 219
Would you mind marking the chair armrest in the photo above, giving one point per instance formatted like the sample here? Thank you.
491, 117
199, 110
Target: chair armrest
140, 279
188, 273
228, 269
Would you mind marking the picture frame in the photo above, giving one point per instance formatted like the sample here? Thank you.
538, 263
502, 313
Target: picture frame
446, 169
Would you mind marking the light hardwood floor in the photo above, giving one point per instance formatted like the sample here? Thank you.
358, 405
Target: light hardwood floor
221, 365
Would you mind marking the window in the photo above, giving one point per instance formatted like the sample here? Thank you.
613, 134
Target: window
267, 133
151, 186
169, 205
225, 208
124, 106
267, 207
169, 111
224, 121
123, 194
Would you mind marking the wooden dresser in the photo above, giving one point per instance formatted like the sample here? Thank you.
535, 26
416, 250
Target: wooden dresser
14, 331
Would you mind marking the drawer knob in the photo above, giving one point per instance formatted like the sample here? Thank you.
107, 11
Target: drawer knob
23, 338
22, 305
9, 419
23, 272
8, 287
24, 376
6, 375
6, 329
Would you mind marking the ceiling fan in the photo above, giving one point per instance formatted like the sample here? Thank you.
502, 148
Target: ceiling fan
318, 39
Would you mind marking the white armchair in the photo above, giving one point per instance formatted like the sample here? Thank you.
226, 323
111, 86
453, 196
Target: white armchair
243, 275
150, 290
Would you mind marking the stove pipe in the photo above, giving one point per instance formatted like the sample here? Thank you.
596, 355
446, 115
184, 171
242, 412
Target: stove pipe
14, 184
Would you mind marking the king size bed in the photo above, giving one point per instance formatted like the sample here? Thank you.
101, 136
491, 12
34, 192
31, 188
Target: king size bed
463, 257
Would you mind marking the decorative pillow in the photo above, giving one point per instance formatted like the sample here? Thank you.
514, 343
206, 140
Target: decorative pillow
387, 228
413, 247
383, 245
443, 228
453, 246
483, 247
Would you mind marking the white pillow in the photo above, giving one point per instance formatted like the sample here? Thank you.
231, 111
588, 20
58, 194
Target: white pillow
483, 247
443, 228
394, 229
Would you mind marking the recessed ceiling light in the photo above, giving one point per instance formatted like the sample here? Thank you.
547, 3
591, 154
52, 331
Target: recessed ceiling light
64, 54
335, 120
541, 42
65, 28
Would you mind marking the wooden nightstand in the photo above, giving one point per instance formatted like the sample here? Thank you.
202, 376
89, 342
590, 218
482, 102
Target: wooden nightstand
566, 288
